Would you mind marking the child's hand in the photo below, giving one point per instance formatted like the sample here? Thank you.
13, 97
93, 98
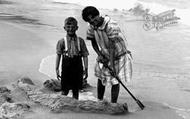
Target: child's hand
58, 75
102, 59
85, 73
129, 52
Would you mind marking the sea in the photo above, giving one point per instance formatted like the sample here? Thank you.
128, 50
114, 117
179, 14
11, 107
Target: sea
155, 6
36, 10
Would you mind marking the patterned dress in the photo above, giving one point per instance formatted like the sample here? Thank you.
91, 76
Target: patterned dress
103, 35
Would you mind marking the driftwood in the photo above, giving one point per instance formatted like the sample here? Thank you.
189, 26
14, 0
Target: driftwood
53, 85
5, 95
9, 109
14, 108
60, 103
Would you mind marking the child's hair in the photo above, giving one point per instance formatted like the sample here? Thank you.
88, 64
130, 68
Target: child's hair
89, 10
70, 20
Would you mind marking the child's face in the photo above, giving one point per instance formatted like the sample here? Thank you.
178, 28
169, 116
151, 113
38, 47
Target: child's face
95, 21
70, 29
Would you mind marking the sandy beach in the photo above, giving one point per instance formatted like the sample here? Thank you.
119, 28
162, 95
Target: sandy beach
160, 59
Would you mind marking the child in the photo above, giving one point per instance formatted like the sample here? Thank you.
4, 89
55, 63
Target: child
74, 55
104, 34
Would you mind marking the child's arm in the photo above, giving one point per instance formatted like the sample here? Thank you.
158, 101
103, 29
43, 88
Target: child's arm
101, 57
95, 47
59, 50
85, 62
112, 54
58, 57
85, 54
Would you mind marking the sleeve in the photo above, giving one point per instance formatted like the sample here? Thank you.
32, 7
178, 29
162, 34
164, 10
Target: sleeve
84, 49
90, 33
112, 30
60, 46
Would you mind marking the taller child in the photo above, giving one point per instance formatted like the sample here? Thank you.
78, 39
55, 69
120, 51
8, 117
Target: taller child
74, 55
106, 40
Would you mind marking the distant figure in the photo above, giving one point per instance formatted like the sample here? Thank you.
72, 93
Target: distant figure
74, 55
107, 42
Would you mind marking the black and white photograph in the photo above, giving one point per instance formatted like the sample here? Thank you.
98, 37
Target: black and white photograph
94, 59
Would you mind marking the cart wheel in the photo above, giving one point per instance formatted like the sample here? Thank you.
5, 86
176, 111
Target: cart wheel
158, 26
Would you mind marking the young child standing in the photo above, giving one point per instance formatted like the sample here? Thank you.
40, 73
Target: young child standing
73, 51
107, 41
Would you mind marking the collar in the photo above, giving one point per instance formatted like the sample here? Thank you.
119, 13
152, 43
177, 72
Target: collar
72, 37
106, 20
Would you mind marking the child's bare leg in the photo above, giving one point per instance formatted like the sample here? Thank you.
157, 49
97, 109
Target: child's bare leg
115, 93
65, 92
100, 90
75, 93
